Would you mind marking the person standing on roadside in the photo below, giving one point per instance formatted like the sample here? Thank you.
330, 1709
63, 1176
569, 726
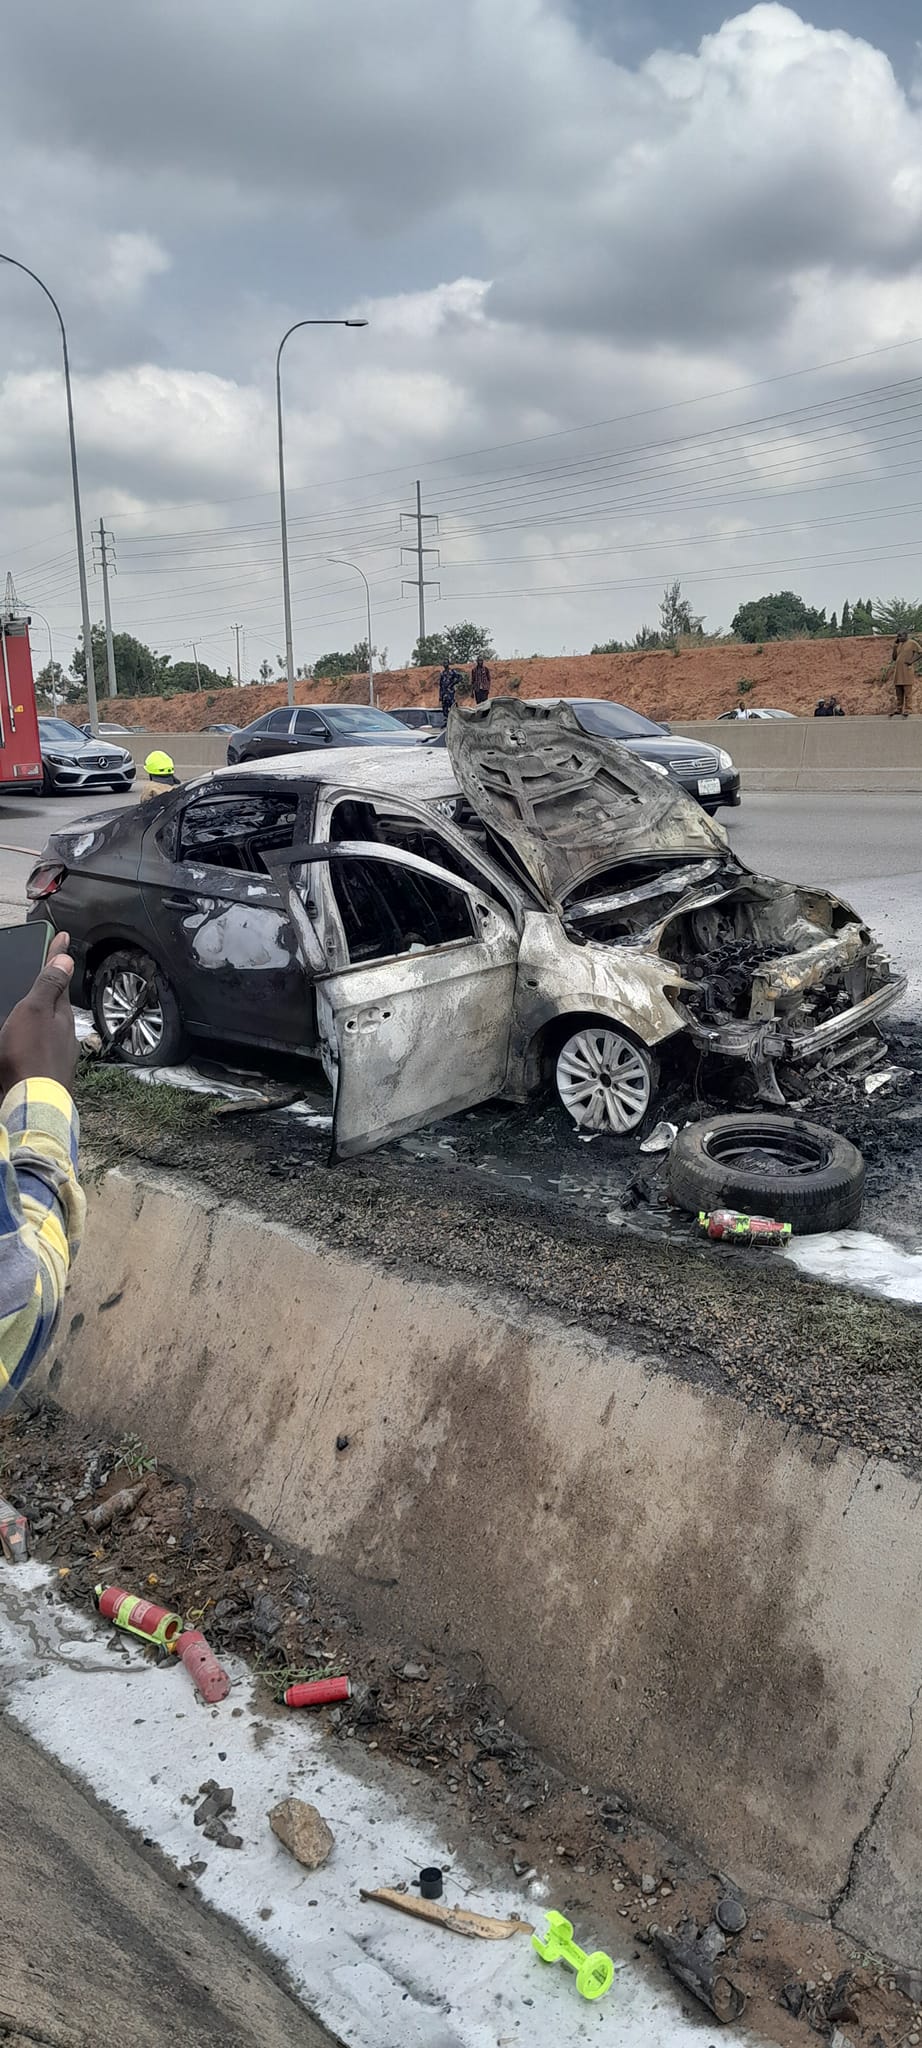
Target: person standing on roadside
480, 680
447, 688
905, 654
42, 1207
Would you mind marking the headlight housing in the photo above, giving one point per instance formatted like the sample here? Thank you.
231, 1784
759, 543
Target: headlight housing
724, 760
658, 767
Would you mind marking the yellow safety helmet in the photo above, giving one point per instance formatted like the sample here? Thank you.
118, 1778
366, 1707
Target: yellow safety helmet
158, 764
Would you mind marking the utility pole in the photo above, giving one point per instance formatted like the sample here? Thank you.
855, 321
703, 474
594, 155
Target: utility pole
105, 544
237, 630
420, 550
198, 673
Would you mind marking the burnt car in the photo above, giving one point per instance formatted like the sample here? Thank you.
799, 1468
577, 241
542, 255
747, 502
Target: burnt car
534, 906
301, 728
70, 761
704, 771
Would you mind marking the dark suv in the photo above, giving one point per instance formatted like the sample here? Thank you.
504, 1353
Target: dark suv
300, 728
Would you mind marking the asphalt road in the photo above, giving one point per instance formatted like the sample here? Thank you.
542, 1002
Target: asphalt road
99, 1945
868, 847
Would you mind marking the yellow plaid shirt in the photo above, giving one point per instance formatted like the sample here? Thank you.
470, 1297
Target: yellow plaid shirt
41, 1220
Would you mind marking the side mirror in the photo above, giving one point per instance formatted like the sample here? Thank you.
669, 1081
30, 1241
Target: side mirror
664, 727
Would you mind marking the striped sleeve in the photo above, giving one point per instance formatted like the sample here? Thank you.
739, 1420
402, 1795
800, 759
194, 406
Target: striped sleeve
41, 1220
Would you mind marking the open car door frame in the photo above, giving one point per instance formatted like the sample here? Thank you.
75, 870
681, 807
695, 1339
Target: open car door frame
406, 1037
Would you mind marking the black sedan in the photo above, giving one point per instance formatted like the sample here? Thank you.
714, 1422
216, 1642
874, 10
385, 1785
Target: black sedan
300, 729
705, 772
71, 761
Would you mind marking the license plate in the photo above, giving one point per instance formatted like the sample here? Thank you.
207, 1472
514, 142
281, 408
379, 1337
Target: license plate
710, 786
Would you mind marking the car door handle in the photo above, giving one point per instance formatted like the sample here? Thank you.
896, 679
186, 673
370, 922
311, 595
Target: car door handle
177, 902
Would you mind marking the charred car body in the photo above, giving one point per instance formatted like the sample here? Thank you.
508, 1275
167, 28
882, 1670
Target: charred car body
536, 904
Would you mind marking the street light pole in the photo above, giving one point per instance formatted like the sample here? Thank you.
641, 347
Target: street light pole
283, 511
78, 518
54, 687
360, 572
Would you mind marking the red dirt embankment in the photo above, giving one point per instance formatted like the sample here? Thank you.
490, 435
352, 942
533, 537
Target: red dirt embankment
787, 675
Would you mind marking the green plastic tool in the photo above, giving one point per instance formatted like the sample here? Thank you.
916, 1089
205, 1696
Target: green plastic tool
594, 1974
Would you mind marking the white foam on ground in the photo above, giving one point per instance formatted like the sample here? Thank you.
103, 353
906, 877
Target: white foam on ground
858, 1259
141, 1738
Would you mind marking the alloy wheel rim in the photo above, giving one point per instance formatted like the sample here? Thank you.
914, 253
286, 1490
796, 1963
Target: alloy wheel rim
119, 997
603, 1081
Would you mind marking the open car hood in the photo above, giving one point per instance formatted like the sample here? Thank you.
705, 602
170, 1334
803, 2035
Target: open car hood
566, 803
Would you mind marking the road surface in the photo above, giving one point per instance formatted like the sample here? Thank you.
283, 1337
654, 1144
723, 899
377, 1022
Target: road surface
867, 846
99, 1945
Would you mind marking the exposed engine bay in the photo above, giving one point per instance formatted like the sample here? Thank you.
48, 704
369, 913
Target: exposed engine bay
768, 971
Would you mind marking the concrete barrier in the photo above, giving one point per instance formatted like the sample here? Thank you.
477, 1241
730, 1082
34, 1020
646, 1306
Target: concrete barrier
819, 753
790, 754
681, 1598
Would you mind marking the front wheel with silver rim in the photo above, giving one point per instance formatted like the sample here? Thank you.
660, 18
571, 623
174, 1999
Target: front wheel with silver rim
129, 985
605, 1080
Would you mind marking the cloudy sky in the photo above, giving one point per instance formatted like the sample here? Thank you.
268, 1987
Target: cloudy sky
643, 289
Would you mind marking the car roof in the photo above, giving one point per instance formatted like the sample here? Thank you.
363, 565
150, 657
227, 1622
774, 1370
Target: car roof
424, 773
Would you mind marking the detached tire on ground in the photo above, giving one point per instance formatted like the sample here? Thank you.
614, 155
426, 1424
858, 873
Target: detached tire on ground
776, 1166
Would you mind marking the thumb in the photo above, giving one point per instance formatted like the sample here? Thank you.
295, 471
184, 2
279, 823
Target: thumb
54, 981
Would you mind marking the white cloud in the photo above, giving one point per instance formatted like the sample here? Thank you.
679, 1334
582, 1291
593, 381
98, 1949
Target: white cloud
552, 237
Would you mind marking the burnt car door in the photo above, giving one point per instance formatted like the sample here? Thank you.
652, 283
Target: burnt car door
414, 962
218, 920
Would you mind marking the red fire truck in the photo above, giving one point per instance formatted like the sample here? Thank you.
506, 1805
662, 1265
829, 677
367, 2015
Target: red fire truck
20, 751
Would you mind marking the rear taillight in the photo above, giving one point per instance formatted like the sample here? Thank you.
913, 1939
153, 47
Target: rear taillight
44, 881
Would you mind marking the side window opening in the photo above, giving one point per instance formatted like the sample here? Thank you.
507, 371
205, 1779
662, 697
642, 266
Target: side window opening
355, 819
388, 909
236, 832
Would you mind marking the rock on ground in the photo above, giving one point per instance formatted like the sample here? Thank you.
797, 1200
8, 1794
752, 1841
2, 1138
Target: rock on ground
303, 1831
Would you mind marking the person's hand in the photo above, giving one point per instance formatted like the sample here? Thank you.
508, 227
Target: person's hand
38, 1040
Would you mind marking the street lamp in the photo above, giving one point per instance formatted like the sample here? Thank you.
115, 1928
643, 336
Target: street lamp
360, 572
54, 686
286, 581
78, 522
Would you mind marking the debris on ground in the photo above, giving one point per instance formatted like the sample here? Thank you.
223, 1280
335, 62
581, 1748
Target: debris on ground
430, 1882
730, 1226
138, 1617
216, 1801
115, 1506
660, 1139
458, 1919
317, 1692
303, 1831
441, 1722
730, 1915
595, 1973
14, 1534
202, 1665
693, 1958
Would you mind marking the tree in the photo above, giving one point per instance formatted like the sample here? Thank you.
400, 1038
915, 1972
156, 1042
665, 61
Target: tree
677, 620
846, 627
897, 615
457, 645
265, 670
336, 666
647, 640
46, 682
139, 670
183, 675
608, 647
782, 615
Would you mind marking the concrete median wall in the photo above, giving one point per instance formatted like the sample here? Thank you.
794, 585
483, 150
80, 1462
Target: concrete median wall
794, 753
814, 754
682, 1599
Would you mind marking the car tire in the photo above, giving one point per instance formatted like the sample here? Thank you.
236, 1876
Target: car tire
49, 786
158, 1039
605, 1079
778, 1166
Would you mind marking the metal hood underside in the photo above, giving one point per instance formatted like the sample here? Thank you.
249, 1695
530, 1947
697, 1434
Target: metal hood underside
567, 803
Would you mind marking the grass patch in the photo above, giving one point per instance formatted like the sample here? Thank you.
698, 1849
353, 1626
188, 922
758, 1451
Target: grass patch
152, 1106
